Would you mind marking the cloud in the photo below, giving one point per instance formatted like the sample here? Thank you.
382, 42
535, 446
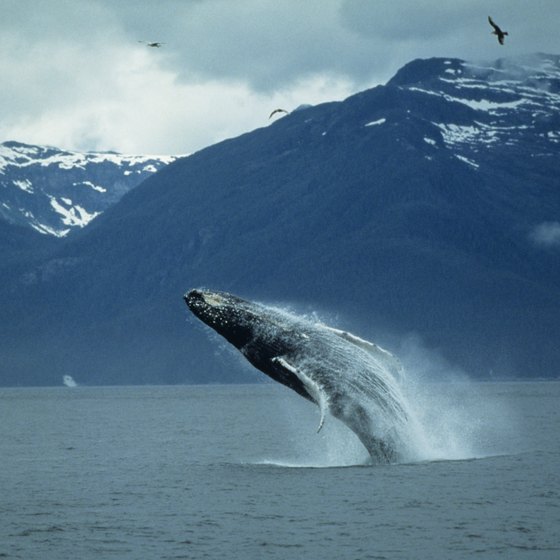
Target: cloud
136, 106
75, 75
546, 234
109, 92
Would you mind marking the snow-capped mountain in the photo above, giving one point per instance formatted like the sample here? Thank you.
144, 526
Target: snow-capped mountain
425, 209
54, 191
512, 102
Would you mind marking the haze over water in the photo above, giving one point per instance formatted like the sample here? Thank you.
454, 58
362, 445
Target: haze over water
239, 471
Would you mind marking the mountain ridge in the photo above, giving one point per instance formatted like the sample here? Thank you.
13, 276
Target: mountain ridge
394, 212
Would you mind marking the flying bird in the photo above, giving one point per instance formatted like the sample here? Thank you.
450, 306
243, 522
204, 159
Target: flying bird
155, 44
497, 31
278, 111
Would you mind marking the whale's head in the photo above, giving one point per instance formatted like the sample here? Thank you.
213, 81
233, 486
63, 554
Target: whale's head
232, 317
245, 324
261, 333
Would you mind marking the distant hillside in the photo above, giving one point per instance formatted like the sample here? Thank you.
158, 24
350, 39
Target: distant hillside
428, 206
54, 191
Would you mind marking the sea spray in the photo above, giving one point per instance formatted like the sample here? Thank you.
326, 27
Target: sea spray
453, 418
438, 414
68, 381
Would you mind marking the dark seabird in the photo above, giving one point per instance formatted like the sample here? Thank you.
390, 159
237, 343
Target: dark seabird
155, 44
277, 111
497, 31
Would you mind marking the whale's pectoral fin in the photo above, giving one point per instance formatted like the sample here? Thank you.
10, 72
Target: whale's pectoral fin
311, 386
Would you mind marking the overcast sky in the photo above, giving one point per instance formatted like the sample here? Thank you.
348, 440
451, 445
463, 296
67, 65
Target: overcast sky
74, 75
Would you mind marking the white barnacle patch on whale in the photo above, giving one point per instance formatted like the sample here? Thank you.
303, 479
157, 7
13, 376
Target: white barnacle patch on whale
213, 299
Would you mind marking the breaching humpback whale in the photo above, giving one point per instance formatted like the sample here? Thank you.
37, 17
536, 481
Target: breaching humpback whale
346, 376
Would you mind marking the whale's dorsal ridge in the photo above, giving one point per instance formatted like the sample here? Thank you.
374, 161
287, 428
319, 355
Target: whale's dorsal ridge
311, 386
370, 347
357, 341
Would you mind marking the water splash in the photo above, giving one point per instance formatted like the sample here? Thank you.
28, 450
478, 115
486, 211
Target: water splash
425, 420
68, 381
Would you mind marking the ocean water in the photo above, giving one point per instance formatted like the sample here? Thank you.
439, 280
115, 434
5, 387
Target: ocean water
240, 472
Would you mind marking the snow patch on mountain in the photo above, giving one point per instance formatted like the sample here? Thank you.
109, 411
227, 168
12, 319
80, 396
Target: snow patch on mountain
377, 122
72, 215
24, 185
514, 100
91, 185
54, 191
467, 161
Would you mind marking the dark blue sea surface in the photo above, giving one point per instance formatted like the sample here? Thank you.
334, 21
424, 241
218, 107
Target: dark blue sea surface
240, 472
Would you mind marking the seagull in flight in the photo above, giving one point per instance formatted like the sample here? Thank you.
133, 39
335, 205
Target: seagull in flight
154, 44
497, 31
278, 111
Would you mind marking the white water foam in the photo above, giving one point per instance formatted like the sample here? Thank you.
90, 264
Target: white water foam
428, 420
454, 418
68, 381
336, 446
